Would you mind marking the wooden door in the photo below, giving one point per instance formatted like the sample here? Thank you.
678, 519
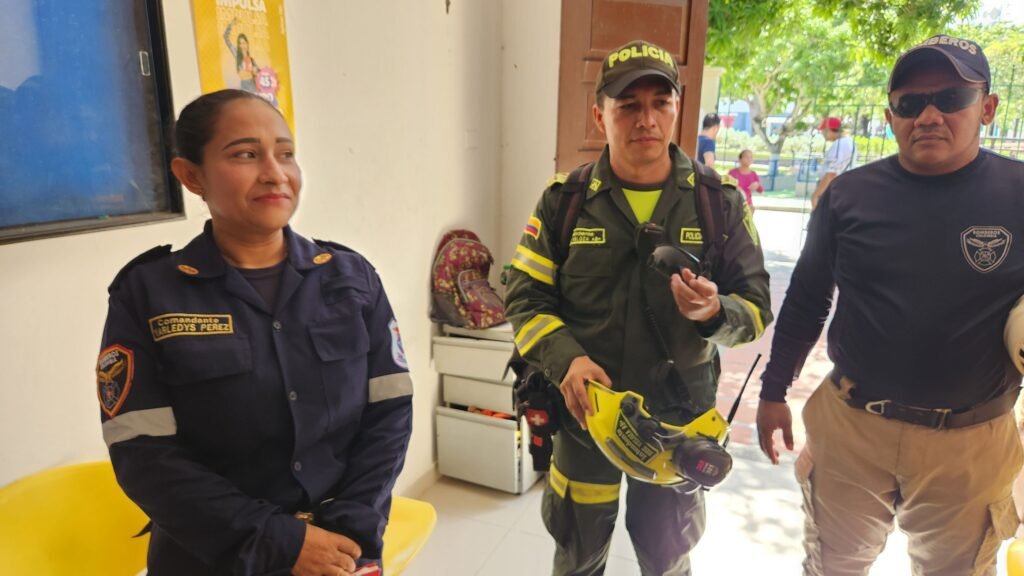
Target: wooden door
591, 29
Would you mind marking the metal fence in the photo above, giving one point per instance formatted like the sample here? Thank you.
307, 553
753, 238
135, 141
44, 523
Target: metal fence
866, 118
862, 109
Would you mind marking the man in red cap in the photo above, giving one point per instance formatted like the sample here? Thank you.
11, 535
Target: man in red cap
839, 157
914, 423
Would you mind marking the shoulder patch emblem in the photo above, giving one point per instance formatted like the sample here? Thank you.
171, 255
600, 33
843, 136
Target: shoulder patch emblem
397, 350
595, 184
186, 269
114, 371
985, 247
533, 226
691, 179
322, 258
558, 178
729, 181
587, 236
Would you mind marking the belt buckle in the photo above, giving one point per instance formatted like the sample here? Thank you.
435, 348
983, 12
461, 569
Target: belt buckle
877, 407
943, 415
306, 517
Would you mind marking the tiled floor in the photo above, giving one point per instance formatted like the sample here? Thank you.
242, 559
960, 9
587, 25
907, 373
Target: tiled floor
754, 527
755, 523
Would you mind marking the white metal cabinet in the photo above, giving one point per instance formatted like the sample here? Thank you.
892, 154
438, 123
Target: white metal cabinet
473, 447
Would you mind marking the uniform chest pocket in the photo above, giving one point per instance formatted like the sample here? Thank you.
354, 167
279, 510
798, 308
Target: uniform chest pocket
188, 360
341, 344
592, 261
343, 288
340, 338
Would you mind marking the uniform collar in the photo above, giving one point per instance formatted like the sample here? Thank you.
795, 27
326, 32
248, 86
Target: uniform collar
201, 258
602, 177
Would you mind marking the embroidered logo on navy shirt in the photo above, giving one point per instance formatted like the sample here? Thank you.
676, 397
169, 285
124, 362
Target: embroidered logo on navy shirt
397, 350
114, 371
985, 247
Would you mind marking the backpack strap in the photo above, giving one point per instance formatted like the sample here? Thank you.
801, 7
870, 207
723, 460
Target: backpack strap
710, 212
570, 203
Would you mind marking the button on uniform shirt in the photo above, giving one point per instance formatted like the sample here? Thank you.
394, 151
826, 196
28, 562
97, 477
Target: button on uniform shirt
224, 415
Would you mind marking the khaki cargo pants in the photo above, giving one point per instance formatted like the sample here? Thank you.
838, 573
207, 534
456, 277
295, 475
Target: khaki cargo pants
581, 502
950, 490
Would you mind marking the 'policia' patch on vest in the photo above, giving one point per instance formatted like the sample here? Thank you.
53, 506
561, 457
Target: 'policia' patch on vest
114, 370
178, 324
985, 247
691, 236
587, 236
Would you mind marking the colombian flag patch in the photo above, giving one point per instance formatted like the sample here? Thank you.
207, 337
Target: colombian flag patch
533, 227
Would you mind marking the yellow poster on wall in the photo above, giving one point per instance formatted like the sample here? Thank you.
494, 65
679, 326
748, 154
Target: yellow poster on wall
243, 44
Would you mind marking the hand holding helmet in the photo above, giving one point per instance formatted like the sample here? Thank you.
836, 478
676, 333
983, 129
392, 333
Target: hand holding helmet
690, 456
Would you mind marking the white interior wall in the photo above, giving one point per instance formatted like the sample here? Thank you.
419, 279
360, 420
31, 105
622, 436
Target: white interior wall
529, 112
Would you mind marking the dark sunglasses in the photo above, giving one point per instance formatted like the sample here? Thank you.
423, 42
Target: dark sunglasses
947, 101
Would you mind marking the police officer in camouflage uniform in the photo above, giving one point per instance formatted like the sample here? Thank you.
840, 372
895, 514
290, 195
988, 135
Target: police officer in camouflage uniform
585, 318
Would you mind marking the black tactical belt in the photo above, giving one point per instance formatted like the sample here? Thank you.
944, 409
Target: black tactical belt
936, 418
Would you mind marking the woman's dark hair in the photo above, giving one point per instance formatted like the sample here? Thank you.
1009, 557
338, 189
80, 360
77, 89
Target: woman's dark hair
198, 120
239, 57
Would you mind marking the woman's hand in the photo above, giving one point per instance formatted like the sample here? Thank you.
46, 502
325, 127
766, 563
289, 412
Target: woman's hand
326, 554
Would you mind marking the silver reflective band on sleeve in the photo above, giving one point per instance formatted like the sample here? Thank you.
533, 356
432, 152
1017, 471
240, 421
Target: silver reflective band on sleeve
152, 422
391, 386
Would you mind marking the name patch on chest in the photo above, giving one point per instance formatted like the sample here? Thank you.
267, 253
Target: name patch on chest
587, 236
167, 326
691, 236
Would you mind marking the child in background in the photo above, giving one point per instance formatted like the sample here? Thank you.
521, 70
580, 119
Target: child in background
746, 177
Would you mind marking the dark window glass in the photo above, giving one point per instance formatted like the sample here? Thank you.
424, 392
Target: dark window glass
84, 110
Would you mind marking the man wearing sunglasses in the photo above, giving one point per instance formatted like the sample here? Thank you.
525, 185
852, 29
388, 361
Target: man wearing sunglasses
914, 422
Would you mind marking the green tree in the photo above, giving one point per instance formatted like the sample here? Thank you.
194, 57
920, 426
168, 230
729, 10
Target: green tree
1004, 46
795, 53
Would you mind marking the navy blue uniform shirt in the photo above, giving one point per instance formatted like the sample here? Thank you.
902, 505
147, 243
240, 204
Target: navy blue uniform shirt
928, 268
224, 417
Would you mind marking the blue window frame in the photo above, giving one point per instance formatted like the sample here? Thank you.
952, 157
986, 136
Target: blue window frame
85, 117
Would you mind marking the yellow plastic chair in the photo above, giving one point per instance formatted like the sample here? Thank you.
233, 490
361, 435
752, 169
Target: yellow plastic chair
411, 524
76, 520
1015, 558
70, 520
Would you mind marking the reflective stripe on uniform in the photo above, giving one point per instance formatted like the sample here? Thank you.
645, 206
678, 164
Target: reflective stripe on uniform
755, 311
582, 492
538, 267
390, 386
152, 422
538, 327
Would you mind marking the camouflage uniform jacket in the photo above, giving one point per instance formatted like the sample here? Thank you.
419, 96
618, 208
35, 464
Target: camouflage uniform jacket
590, 304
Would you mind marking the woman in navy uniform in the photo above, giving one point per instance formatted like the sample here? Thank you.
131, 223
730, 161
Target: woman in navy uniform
255, 396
